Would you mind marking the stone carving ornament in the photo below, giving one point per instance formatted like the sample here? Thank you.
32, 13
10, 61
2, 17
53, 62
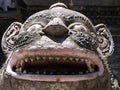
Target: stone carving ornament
57, 49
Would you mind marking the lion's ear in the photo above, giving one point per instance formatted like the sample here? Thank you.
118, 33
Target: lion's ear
105, 40
9, 37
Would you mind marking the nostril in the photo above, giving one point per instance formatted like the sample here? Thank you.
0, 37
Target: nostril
56, 27
70, 33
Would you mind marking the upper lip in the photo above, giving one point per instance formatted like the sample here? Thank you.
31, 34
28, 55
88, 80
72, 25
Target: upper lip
80, 53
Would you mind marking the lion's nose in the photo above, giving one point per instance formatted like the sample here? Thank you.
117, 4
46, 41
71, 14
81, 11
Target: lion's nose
56, 27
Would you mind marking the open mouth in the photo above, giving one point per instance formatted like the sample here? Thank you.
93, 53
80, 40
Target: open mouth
55, 64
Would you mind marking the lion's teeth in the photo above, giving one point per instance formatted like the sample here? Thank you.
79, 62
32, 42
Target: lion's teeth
58, 73
73, 73
24, 71
86, 60
86, 71
26, 59
64, 58
50, 58
44, 72
71, 58
77, 59
31, 59
82, 60
18, 65
18, 70
92, 70
37, 72
80, 72
21, 62
38, 58
21, 68
44, 58
51, 73
57, 58
66, 72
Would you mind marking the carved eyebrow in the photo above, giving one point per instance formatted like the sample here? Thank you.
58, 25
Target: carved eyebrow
26, 38
40, 23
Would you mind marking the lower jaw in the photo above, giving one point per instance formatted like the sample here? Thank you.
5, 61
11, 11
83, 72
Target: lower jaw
99, 83
53, 78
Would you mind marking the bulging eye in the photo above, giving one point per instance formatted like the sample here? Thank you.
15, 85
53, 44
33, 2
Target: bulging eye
77, 27
35, 27
80, 28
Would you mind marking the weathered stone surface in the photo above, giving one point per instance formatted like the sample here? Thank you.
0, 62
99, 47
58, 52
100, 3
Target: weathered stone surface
57, 49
